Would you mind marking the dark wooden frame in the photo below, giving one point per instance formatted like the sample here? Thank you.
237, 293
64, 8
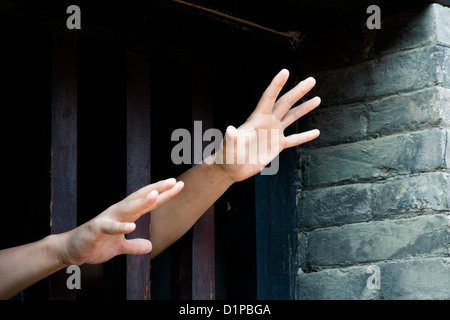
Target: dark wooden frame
138, 166
199, 267
63, 205
203, 233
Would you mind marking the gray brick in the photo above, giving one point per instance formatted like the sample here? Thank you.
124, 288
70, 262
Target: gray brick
445, 69
407, 30
442, 23
334, 206
398, 72
330, 121
410, 111
356, 43
374, 159
332, 284
302, 250
417, 279
424, 192
379, 240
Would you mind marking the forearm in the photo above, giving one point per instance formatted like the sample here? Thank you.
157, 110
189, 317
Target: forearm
203, 185
22, 266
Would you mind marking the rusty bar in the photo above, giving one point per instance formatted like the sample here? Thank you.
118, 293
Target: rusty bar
203, 251
63, 205
138, 166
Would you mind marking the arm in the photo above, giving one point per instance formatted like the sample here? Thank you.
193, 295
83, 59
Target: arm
96, 241
22, 266
206, 182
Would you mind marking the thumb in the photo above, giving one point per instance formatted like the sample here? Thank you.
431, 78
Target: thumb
137, 246
231, 134
231, 137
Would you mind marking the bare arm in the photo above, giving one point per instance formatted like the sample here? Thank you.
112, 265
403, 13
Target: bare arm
96, 241
205, 183
22, 266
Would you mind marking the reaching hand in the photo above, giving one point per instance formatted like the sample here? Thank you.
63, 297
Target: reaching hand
102, 238
246, 150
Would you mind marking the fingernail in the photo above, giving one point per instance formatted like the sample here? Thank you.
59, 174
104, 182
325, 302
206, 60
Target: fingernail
130, 226
152, 193
180, 183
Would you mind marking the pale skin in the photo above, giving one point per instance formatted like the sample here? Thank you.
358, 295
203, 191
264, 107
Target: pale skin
175, 204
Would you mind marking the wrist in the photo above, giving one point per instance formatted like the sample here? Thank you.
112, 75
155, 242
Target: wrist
218, 170
55, 248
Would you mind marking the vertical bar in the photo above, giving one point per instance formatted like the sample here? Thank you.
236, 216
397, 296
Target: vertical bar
203, 242
138, 166
63, 205
276, 222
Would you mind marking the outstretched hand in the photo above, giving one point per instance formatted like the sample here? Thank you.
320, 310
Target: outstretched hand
103, 237
245, 151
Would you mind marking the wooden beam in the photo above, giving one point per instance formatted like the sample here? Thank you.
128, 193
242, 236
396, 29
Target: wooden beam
193, 256
203, 234
63, 205
138, 166
276, 232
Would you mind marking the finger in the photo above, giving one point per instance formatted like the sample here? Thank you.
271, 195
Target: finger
231, 136
292, 96
169, 194
231, 133
299, 138
114, 227
159, 186
136, 246
159, 199
129, 210
299, 111
268, 98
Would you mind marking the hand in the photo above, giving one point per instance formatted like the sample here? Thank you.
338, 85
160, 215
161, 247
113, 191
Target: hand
103, 237
245, 151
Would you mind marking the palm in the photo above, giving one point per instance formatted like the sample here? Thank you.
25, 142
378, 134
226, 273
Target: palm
249, 148
103, 237
95, 247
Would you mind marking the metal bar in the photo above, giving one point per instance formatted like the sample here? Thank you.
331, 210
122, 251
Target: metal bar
138, 166
63, 205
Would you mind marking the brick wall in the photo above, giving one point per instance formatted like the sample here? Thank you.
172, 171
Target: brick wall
374, 189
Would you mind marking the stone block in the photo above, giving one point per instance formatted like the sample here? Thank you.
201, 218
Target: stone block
334, 206
412, 279
390, 74
355, 43
350, 244
410, 111
412, 194
375, 159
337, 124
